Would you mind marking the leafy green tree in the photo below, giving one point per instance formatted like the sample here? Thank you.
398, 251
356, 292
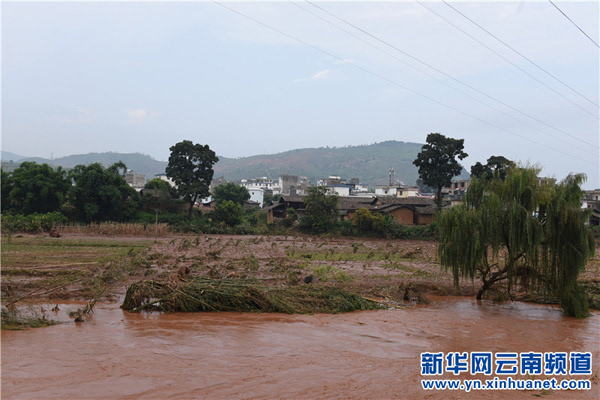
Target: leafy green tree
437, 162
495, 165
102, 194
229, 212
520, 231
163, 186
191, 168
231, 191
322, 208
34, 187
158, 195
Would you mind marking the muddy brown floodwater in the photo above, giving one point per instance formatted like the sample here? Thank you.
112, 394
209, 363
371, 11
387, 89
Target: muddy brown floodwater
374, 354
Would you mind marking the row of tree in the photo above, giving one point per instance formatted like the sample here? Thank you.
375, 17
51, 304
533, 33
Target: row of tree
91, 193
87, 192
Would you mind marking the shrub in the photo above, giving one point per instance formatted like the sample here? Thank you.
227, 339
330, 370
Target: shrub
366, 221
32, 223
229, 212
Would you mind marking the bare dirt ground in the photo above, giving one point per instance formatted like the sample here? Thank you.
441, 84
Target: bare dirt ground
79, 267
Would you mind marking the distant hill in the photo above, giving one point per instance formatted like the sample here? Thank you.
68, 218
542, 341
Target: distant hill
8, 156
139, 163
369, 163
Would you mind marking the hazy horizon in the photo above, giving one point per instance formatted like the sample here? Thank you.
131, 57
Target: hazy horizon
512, 79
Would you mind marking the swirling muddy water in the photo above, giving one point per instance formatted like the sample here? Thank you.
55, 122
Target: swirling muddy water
370, 354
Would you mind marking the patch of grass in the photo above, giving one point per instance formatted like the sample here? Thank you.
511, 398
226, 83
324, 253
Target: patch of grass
326, 272
251, 263
184, 244
356, 253
406, 268
380, 277
117, 228
35, 252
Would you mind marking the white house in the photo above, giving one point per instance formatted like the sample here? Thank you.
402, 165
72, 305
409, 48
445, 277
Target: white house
409, 192
257, 195
261, 183
341, 190
360, 188
385, 190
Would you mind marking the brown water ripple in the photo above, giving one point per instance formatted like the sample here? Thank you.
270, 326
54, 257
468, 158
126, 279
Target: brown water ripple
362, 355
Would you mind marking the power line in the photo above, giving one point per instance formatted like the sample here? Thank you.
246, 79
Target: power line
445, 74
519, 53
393, 82
508, 61
577, 26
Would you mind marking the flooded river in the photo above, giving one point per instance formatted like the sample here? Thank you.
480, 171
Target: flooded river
374, 354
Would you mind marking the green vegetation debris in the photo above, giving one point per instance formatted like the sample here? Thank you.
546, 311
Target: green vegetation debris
241, 295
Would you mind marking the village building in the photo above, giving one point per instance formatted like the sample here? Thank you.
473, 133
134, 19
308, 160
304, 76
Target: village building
286, 182
591, 200
458, 187
397, 191
331, 180
257, 196
341, 190
136, 181
279, 210
262, 183
407, 211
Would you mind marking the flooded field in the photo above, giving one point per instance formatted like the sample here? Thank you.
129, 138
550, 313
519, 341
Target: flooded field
371, 354
360, 355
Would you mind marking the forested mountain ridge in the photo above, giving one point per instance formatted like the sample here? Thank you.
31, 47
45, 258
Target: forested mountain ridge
369, 163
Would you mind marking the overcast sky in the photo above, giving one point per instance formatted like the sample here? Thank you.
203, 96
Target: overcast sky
255, 78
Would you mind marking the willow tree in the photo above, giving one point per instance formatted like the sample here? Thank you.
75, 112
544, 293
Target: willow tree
520, 230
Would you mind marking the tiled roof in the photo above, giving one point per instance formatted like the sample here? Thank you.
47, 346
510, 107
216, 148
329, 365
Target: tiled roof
417, 201
293, 199
350, 203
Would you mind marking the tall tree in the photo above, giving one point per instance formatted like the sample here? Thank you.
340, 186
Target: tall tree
191, 168
520, 231
34, 187
495, 165
231, 191
437, 162
102, 194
